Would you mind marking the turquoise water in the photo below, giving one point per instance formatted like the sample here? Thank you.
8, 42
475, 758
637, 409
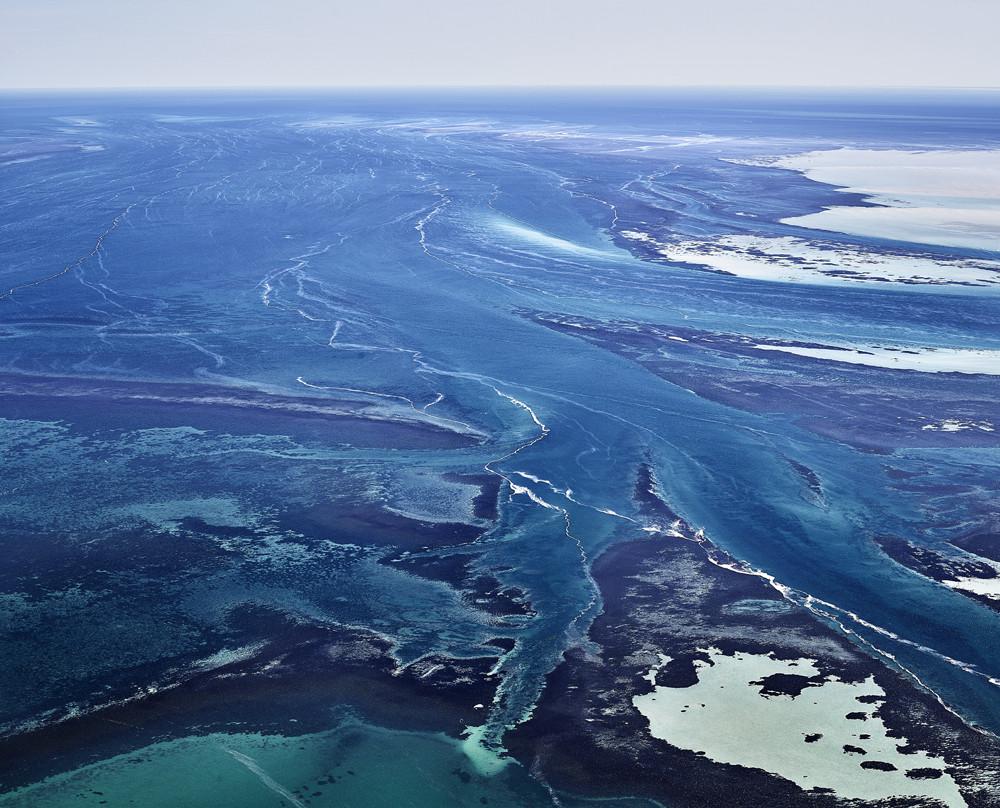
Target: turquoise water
355, 765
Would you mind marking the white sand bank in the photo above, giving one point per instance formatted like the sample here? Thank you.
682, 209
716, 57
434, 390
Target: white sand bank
770, 731
950, 198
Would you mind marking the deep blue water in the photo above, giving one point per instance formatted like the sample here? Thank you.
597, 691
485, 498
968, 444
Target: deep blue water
238, 309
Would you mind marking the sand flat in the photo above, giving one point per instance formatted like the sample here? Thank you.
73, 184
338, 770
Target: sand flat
773, 729
945, 197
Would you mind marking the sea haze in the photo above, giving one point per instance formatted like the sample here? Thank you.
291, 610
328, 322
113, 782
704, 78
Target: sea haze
495, 448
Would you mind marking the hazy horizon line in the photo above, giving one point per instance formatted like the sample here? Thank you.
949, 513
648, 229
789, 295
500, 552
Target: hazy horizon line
516, 87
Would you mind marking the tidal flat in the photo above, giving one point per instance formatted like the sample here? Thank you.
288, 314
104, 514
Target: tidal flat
369, 447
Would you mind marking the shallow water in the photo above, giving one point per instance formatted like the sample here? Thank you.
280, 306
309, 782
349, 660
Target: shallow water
352, 765
231, 321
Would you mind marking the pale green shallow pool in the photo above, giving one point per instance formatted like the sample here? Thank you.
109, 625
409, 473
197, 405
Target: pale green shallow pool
368, 767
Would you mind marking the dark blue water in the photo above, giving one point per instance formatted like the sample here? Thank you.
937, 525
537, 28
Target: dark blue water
230, 311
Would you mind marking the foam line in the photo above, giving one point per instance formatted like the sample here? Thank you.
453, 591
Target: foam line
265, 778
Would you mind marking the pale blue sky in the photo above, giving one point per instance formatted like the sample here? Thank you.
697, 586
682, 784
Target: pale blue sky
128, 43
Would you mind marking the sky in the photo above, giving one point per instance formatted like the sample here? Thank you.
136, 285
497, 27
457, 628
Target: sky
331, 43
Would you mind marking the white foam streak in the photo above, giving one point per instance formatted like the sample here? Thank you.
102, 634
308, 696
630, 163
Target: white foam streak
336, 330
421, 412
265, 778
520, 489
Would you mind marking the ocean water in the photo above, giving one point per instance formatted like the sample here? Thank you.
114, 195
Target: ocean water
233, 327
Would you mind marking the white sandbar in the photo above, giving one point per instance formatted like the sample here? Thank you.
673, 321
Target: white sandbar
988, 587
796, 260
924, 360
